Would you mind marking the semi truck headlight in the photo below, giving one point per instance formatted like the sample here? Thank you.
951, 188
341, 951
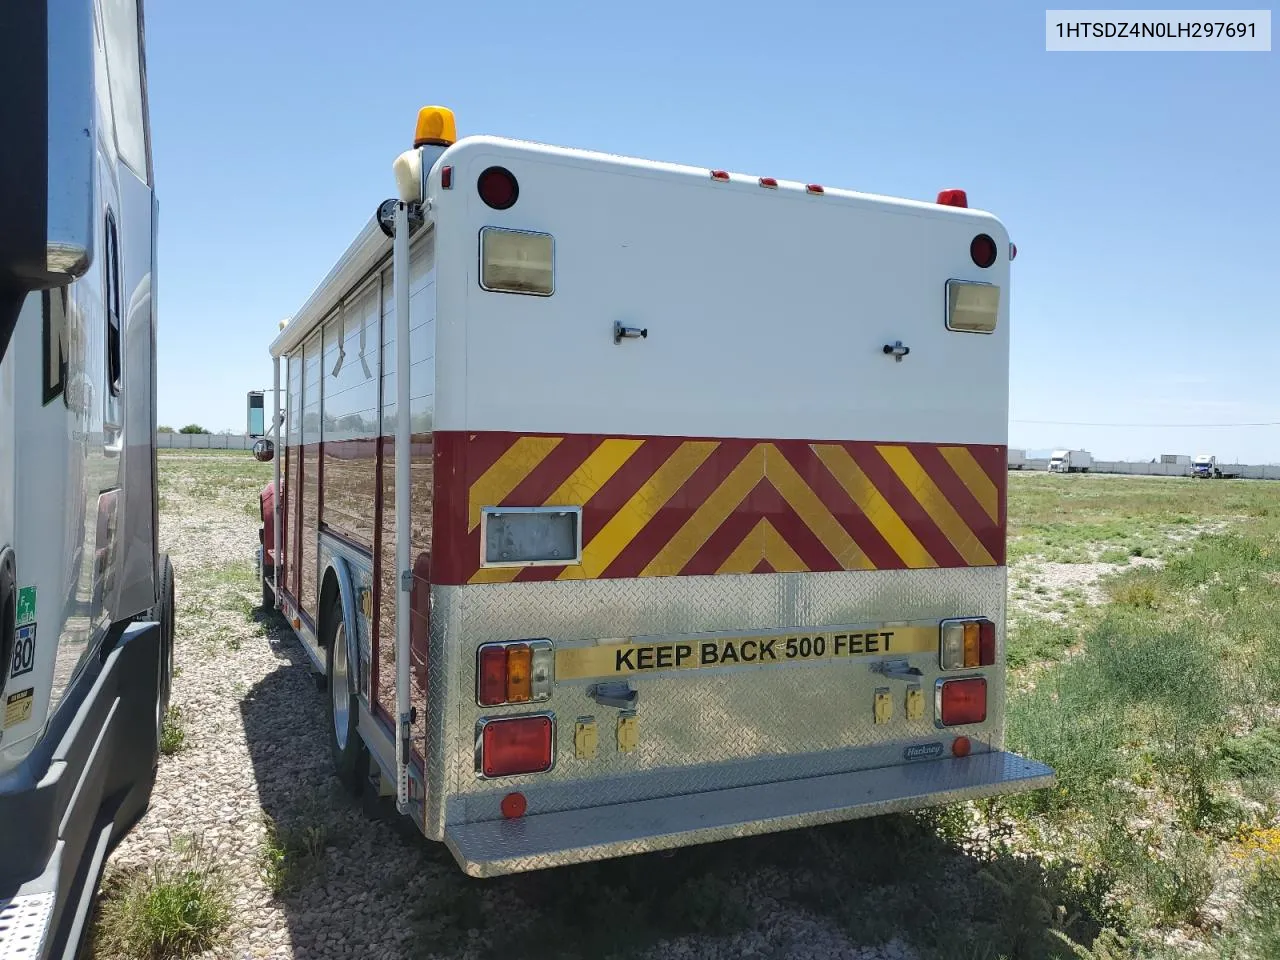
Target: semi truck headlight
972, 307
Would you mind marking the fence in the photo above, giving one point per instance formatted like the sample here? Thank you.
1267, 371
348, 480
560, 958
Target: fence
1247, 471
202, 441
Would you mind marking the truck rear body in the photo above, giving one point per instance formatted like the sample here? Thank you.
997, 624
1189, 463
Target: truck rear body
687, 521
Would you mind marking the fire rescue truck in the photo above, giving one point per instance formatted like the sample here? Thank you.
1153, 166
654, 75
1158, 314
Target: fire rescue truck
86, 600
626, 505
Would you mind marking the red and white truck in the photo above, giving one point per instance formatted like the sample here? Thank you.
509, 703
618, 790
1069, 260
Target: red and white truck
628, 505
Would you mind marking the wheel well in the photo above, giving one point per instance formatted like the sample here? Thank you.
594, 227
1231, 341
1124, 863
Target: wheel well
328, 597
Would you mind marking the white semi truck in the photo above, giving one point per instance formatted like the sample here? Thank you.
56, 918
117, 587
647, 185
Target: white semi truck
1206, 467
593, 556
86, 600
1017, 459
1070, 461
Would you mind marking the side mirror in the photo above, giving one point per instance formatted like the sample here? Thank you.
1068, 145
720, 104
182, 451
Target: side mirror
46, 167
257, 416
264, 450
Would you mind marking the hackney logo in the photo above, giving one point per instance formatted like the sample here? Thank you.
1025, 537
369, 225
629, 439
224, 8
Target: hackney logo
922, 751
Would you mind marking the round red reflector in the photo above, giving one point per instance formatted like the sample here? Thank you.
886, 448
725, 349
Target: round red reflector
514, 805
498, 188
960, 747
983, 250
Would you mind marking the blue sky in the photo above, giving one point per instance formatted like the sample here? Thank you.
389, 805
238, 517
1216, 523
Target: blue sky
1141, 189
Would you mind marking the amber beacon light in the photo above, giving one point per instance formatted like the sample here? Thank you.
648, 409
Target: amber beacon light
436, 128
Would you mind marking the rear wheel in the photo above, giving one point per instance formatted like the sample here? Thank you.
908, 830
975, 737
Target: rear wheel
350, 759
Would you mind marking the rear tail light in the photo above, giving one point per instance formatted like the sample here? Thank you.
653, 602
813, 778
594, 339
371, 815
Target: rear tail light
966, 644
953, 198
498, 188
983, 250
510, 746
962, 701
514, 673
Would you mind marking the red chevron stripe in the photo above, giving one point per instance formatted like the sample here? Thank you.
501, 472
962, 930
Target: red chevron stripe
907, 507
989, 534
613, 495
668, 521
814, 472
721, 544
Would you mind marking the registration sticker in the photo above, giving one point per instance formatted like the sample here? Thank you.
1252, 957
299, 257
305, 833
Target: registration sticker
24, 650
626, 657
26, 605
17, 707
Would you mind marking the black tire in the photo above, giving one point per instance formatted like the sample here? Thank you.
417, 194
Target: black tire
350, 758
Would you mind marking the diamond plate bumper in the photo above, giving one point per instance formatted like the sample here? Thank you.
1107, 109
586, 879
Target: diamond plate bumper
495, 847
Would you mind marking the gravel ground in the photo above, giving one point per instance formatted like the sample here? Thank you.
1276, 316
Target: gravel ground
255, 747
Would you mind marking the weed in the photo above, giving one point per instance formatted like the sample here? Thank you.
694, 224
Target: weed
292, 855
172, 736
1178, 883
1114, 555
1254, 756
1035, 640
1260, 917
173, 910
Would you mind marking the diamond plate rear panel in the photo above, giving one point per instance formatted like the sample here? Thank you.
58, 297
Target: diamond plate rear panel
508, 846
24, 923
699, 730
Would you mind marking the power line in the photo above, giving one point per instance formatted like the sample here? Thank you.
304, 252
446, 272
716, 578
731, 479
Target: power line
1197, 426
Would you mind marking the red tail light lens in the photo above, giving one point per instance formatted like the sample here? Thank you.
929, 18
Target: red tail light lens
516, 745
962, 701
498, 188
953, 198
493, 676
986, 643
983, 250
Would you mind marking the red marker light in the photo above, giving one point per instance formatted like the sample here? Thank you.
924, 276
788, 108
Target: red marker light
719, 174
516, 745
498, 188
768, 182
514, 805
960, 747
1013, 251
814, 188
983, 250
953, 198
964, 701
492, 680
446, 178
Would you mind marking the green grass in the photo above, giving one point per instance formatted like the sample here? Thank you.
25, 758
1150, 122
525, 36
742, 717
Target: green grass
295, 852
172, 735
173, 911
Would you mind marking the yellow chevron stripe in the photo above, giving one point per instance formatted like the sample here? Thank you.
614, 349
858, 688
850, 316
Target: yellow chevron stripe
711, 513
495, 575
763, 543
788, 482
500, 479
593, 473
975, 478
872, 503
747, 554
921, 486
639, 510
779, 553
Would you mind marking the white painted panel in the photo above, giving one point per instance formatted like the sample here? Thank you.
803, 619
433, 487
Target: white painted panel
767, 310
